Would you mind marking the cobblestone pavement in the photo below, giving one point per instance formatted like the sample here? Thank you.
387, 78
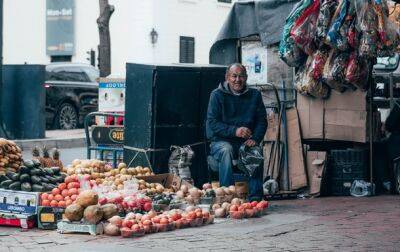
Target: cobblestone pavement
322, 224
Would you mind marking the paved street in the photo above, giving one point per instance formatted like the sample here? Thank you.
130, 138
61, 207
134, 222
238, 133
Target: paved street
323, 224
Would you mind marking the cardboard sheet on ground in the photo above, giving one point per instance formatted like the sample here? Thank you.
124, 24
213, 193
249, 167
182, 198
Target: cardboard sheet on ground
297, 170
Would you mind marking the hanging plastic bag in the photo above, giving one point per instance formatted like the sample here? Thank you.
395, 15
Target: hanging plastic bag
326, 13
318, 62
357, 71
305, 27
361, 188
387, 32
367, 24
307, 85
288, 52
335, 36
334, 70
353, 34
250, 159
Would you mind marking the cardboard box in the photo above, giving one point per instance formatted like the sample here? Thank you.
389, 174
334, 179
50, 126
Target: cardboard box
345, 116
19, 202
311, 115
342, 117
297, 170
316, 163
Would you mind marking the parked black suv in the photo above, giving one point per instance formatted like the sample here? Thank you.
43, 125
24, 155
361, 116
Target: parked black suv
71, 93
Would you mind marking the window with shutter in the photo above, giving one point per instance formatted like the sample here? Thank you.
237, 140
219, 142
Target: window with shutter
186, 49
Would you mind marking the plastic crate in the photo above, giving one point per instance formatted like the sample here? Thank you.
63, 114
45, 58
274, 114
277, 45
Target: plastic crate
340, 187
344, 167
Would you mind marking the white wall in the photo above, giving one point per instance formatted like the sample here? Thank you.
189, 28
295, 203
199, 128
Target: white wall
201, 19
24, 32
130, 26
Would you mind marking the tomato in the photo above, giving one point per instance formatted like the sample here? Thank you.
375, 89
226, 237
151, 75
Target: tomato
164, 221
73, 185
72, 191
67, 198
68, 180
191, 215
73, 197
50, 197
254, 203
44, 196
155, 219
135, 228
59, 197
241, 208
147, 206
199, 214
127, 223
62, 186
176, 216
64, 193
147, 222
45, 202
55, 191
68, 202
264, 203
53, 203
62, 204
233, 208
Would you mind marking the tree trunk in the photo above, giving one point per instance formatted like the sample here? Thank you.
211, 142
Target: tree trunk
103, 22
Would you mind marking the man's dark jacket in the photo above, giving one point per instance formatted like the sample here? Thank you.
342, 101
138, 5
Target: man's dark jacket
228, 111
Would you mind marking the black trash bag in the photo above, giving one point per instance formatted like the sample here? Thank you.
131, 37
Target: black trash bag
250, 159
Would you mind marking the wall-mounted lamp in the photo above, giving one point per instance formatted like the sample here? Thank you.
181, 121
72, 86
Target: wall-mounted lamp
153, 36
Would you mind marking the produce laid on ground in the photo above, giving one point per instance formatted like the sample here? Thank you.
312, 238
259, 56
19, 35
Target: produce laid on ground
239, 209
10, 156
140, 224
32, 177
92, 194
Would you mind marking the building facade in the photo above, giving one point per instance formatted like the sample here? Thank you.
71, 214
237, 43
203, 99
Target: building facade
150, 31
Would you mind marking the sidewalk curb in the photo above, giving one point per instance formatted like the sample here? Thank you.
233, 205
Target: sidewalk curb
60, 143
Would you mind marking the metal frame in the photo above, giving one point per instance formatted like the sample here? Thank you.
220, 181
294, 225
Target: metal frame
91, 147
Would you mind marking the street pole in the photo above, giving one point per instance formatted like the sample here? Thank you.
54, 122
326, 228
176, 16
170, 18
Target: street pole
2, 130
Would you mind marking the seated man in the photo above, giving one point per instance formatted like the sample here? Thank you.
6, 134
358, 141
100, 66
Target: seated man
236, 115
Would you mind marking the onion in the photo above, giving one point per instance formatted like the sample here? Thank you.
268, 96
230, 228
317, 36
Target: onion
184, 188
216, 206
226, 206
207, 186
236, 201
227, 191
219, 192
116, 220
190, 208
195, 193
180, 194
130, 216
220, 213
189, 199
111, 229
232, 188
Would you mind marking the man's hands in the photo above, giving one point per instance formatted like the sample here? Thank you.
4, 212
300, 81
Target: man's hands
246, 133
250, 143
243, 132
